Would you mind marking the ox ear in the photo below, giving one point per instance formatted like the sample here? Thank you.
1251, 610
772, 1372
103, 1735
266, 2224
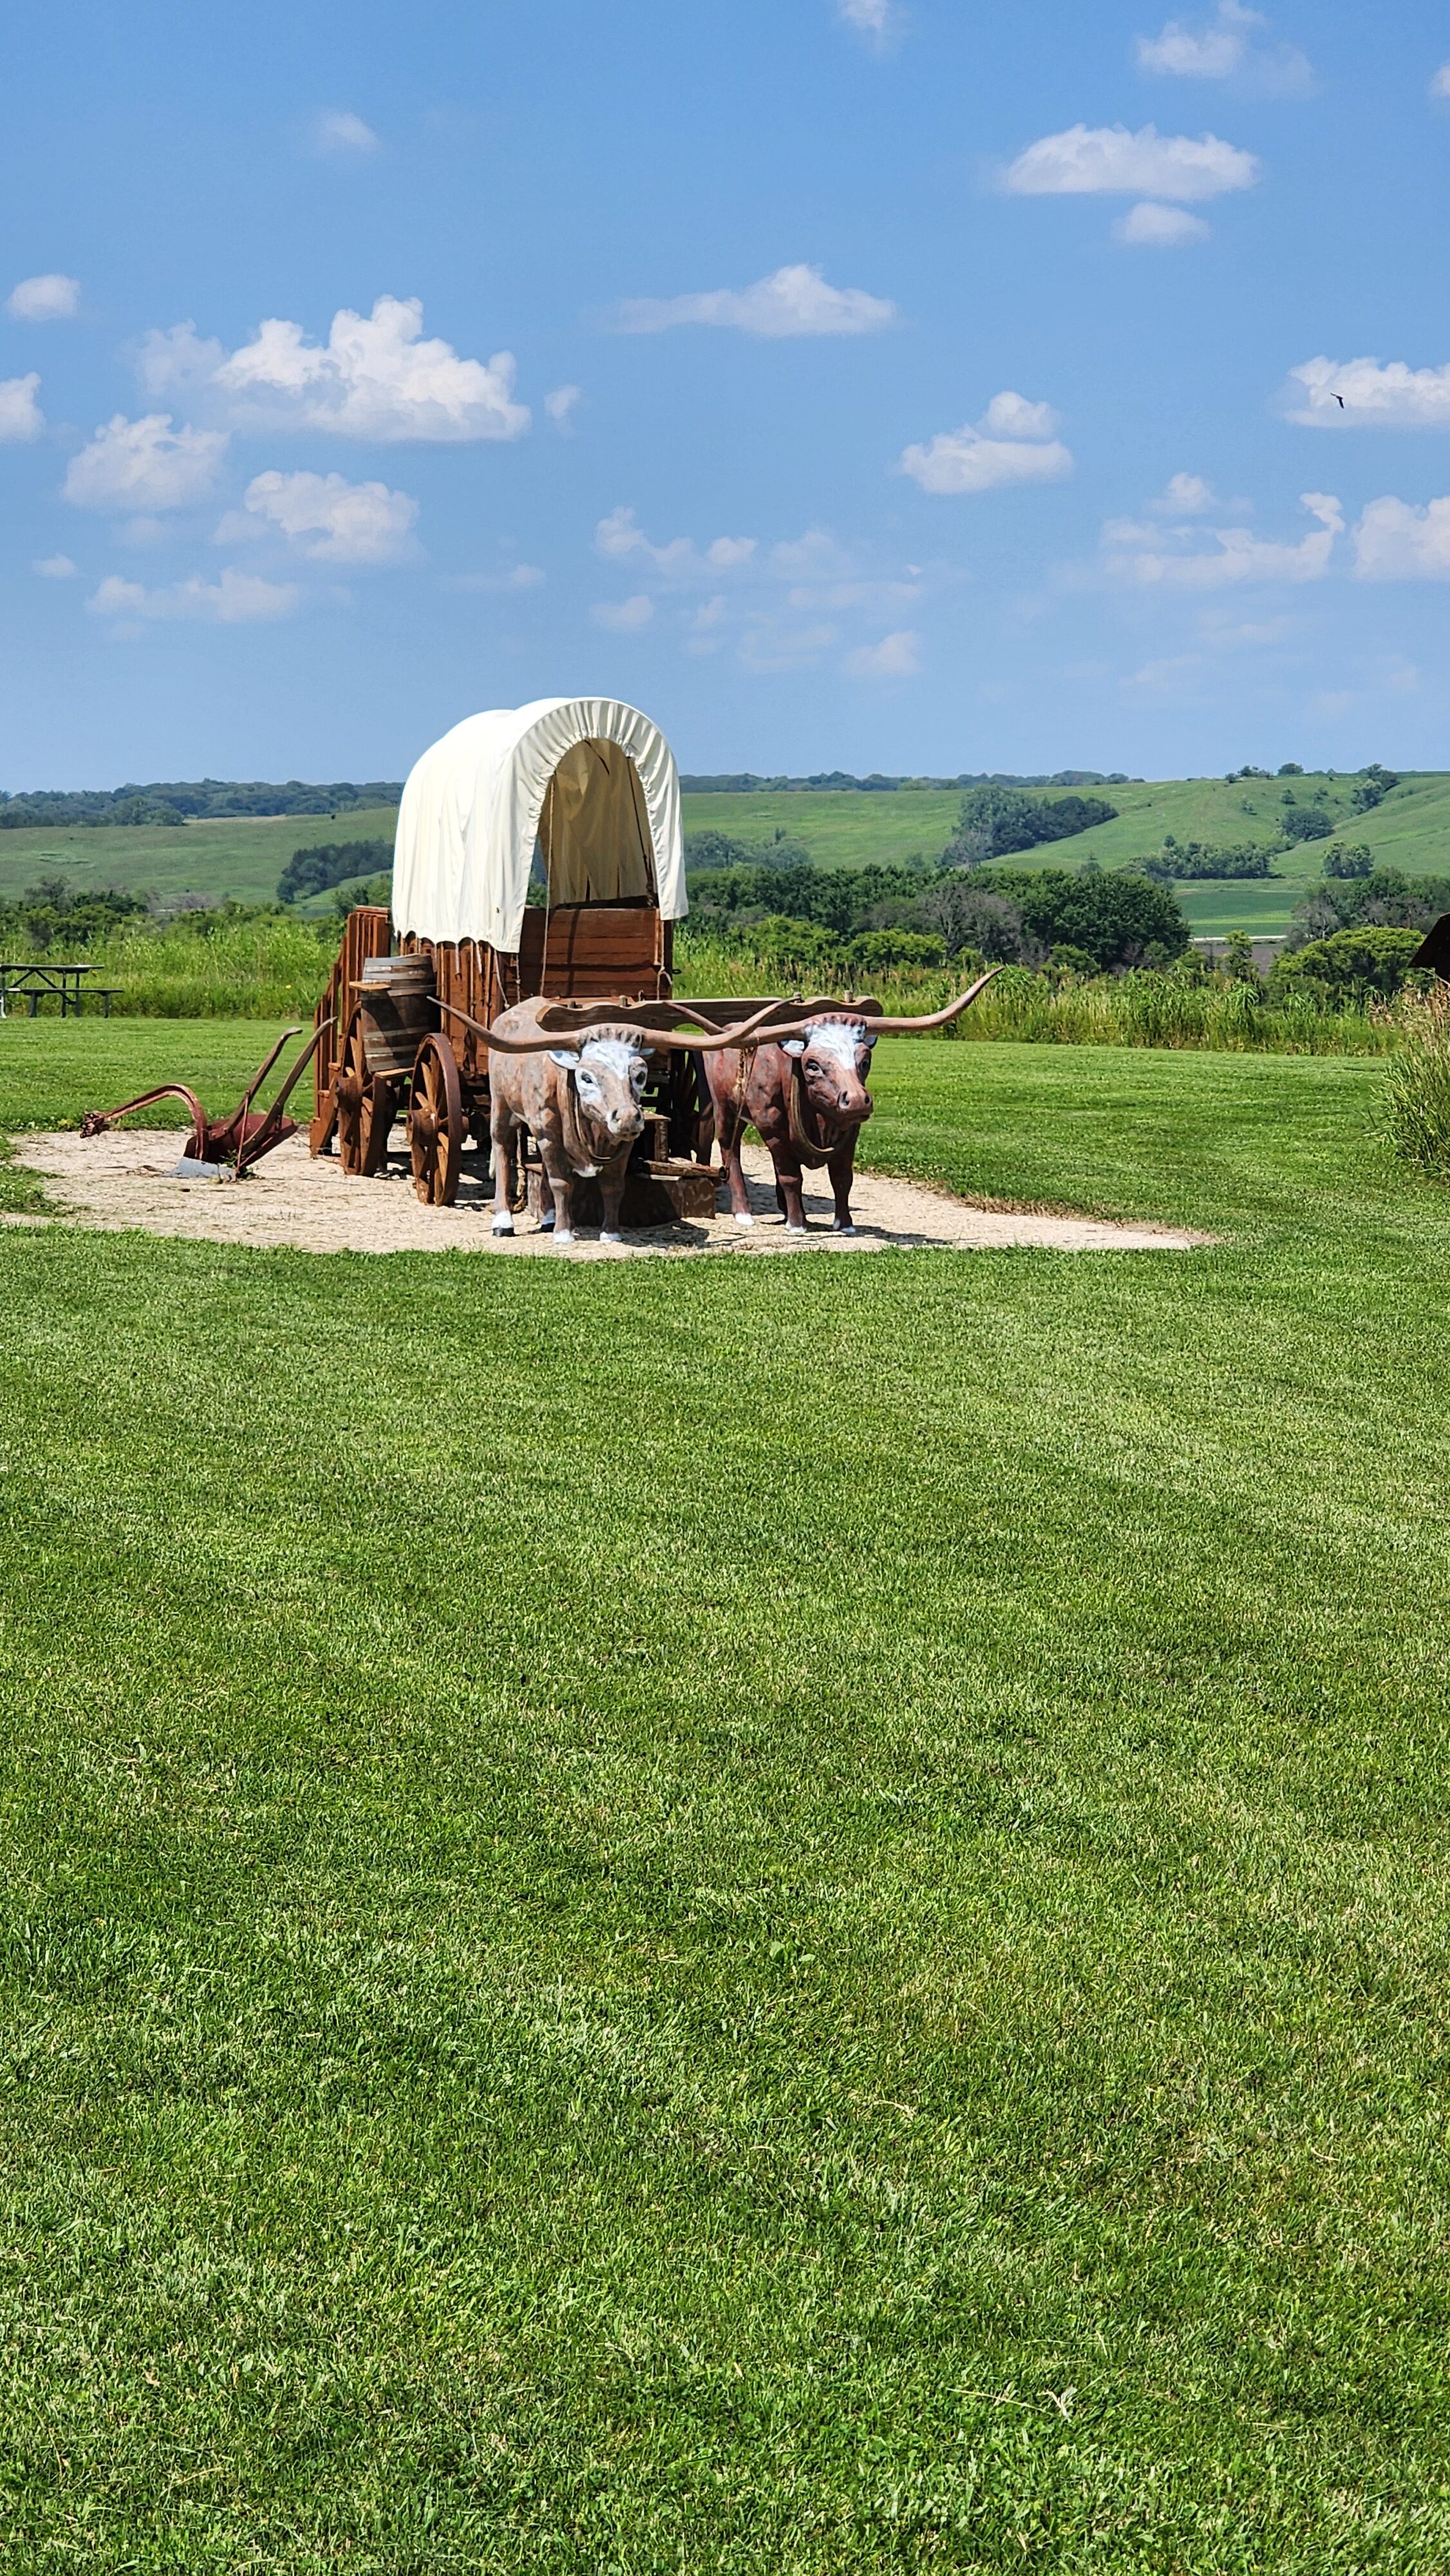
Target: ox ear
568, 1057
793, 1046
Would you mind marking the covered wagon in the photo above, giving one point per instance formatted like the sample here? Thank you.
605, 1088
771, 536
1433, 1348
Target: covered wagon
538, 853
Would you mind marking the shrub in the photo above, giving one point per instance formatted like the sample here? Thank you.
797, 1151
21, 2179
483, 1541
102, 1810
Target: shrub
1417, 1095
1373, 960
1307, 823
712, 849
884, 952
1355, 862
1113, 916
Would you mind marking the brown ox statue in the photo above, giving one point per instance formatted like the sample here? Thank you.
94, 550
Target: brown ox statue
578, 1092
804, 1092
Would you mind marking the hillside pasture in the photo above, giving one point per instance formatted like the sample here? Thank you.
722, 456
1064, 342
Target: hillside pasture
739, 1917
243, 860
238, 859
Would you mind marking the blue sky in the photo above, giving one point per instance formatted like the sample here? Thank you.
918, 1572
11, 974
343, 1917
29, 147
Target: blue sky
913, 387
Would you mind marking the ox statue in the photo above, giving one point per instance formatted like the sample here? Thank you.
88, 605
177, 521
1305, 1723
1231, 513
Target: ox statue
803, 1090
578, 1090
580, 1103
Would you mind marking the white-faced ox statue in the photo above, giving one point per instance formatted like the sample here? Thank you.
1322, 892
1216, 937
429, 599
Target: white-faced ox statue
578, 1093
803, 1090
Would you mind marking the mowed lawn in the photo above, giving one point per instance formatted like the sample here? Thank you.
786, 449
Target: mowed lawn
755, 1916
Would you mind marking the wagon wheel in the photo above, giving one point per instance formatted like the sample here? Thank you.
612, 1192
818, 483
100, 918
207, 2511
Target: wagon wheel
366, 1105
436, 1124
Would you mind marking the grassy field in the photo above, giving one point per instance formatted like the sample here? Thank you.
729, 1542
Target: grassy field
244, 859
757, 1917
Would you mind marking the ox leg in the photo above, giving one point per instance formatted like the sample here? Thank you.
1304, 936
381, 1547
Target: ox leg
501, 1131
842, 1168
611, 1190
560, 1178
788, 1192
730, 1132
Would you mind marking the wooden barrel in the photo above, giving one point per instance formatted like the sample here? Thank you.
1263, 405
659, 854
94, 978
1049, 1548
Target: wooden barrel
397, 997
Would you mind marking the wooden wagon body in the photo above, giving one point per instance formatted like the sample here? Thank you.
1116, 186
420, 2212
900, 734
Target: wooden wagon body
575, 800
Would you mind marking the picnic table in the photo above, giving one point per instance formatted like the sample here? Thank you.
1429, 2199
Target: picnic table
35, 981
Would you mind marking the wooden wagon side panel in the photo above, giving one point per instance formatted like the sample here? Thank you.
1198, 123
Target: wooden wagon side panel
595, 949
367, 932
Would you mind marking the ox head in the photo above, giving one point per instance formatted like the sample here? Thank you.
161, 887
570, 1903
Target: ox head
835, 1057
608, 1073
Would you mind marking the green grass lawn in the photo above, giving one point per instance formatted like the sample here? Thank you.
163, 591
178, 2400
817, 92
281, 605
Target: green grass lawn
766, 1916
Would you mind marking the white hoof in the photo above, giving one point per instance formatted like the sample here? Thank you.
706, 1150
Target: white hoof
843, 1229
562, 1235
503, 1225
605, 1237
797, 1229
745, 1221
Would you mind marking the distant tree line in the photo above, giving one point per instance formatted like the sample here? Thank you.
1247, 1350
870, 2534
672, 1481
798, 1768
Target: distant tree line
744, 782
185, 801
882, 917
53, 914
995, 820
331, 863
1191, 860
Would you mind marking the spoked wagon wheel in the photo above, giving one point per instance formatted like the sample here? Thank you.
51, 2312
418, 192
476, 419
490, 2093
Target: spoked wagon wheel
366, 1106
436, 1124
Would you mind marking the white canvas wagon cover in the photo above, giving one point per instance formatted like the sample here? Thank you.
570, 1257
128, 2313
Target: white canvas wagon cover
592, 781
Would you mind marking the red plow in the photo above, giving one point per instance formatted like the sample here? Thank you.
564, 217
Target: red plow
237, 1141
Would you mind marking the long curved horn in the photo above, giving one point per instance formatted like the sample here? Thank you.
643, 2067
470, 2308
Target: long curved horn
650, 1039
874, 1021
935, 1019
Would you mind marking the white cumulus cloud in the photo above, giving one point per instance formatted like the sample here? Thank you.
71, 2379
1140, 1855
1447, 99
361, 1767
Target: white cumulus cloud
1186, 494
794, 303
51, 298
562, 404
880, 19
145, 465
1153, 227
896, 657
236, 599
374, 377
1359, 393
341, 131
1217, 558
1396, 541
620, 539
1230, 46
1012, 443
55, 568
1440, 85
625, 616
1107, 160
20, 414
329, 518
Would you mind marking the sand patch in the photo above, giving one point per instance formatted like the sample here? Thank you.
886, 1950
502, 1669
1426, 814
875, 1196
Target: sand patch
124, 1180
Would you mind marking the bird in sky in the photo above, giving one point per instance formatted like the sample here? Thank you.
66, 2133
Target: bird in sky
1339, 398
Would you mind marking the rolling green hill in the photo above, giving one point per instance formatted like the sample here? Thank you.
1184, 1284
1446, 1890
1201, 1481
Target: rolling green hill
845, 828
241, 857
